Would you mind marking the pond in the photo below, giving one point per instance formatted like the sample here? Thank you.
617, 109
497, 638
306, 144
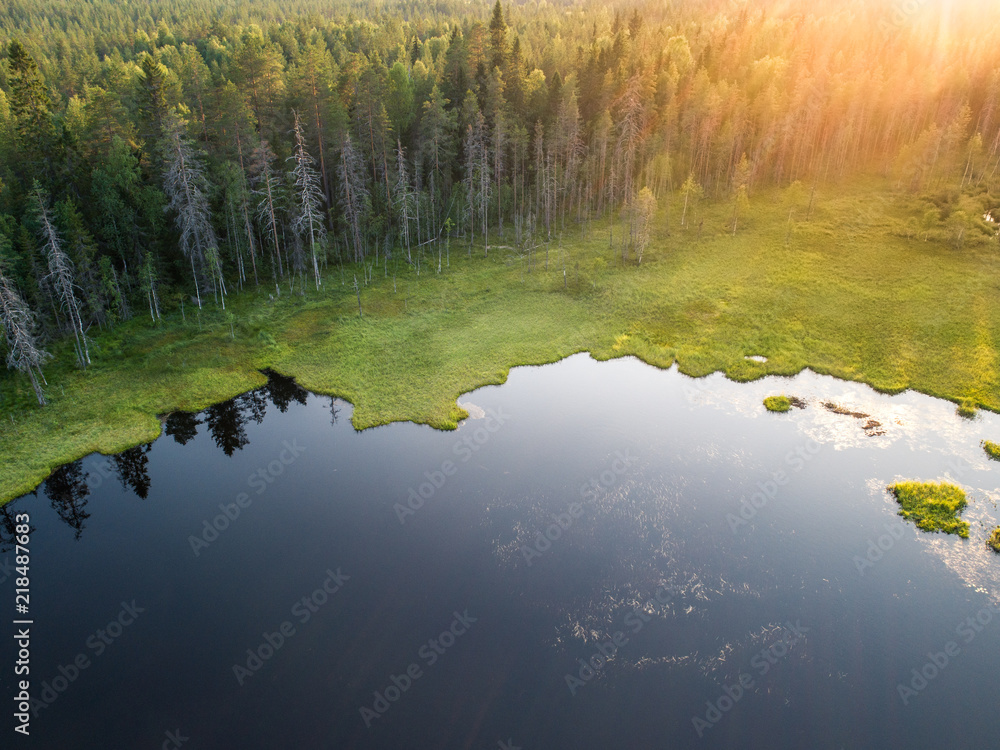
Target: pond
603, 555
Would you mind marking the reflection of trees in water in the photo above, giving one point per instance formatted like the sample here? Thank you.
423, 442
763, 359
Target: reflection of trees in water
132, 467
227, 426
68, 490
8, 527
253, 404
227, 421
283, 391
182, 426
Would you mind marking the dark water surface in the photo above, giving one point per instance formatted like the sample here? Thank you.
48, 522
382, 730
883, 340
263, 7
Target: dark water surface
455, 623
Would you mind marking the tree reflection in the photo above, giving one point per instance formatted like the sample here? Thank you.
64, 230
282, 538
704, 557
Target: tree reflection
182, 426
132, 467
8, 527
67, 490
254, 404
283, 391
227, 426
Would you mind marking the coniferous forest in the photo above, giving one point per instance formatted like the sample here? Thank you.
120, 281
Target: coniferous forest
175, 150
677, 321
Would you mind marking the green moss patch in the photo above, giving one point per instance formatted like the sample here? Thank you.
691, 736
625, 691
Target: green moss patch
994, 541
933, 507
778, 403
702, 300
992, 449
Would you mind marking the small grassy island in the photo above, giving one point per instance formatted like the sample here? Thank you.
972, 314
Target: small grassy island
777, 403
932, 506
967, 409
994, 541
992, 449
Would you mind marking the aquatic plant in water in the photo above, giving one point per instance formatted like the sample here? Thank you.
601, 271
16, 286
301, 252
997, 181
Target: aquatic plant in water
932, 506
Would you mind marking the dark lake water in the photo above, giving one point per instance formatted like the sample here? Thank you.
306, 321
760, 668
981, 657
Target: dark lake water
609, 556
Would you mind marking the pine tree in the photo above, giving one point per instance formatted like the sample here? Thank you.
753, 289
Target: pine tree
30, 109
498, 38
152, 100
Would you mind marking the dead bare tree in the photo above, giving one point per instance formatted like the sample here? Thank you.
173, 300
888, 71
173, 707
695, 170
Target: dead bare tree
267, 188
352, 192
307, 222
186, 187
60, 276
23, 352
405, 198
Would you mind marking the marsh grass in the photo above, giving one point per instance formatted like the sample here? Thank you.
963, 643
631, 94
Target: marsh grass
994, 541
932, 506
849, 295
992, 449
967, 409
777, 403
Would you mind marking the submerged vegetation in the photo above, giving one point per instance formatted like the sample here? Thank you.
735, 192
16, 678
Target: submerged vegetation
932, 506
777, 403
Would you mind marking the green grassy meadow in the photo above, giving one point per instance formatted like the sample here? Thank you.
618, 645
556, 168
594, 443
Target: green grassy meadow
853, 292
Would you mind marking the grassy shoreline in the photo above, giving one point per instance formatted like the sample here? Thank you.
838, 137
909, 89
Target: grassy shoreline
849, 294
